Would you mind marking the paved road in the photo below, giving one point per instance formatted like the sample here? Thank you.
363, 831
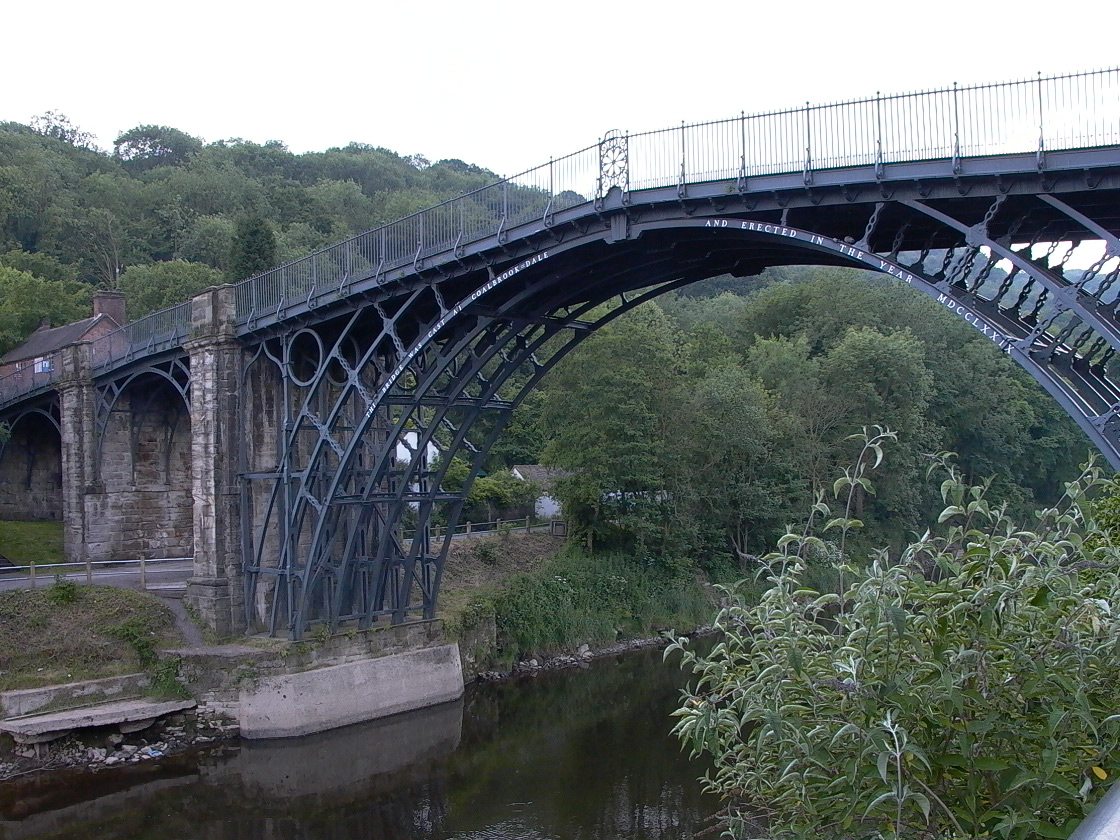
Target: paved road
156, 575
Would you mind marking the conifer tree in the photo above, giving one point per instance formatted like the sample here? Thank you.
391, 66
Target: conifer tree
254, 248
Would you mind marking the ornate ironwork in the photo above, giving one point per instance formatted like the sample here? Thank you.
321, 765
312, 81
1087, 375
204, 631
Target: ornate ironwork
614, 164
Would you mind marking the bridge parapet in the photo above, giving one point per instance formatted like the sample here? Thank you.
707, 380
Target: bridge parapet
1036, 116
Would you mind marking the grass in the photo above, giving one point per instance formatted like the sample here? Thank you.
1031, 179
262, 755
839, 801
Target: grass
543, 597
481, 563
66, 632
38, 542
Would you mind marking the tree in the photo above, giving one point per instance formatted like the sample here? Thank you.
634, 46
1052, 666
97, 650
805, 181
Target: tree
965, 689
25, 300
499, 493
149, 288
253, 249
43, 266
606, 413
208, 240
148, 146
59, 127
737, 484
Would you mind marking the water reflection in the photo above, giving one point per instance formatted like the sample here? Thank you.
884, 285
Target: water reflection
583, 755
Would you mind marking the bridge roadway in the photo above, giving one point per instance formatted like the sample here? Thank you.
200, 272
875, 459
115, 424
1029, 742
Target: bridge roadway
280, 428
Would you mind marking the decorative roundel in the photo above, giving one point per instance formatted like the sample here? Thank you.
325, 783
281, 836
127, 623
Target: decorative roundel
613, 159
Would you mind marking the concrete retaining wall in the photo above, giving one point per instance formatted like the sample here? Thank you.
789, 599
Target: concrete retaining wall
311, 701
282, 689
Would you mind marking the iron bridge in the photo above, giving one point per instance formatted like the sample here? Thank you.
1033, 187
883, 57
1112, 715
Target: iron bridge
371, 365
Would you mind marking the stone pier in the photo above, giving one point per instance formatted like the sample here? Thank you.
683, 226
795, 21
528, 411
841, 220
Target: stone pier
216, 589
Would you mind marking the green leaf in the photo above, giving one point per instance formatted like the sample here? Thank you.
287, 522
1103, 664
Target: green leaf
990, 764
1045, 829
883, 797
922, 801
949, 513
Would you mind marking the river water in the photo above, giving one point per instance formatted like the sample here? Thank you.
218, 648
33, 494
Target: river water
580, 754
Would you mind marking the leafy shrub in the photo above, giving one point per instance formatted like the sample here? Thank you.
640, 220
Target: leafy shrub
965, 689
63, 591
165, 682
139, 637
592, 598
486, 551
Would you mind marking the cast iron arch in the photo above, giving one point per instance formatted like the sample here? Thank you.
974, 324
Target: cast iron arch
344, 558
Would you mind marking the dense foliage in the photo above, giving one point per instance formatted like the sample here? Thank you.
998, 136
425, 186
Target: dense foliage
962, 688
161, 195
577, 598
695, 428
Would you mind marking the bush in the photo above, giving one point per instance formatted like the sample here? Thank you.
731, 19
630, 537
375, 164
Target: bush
965, 689
592, 599
63, 591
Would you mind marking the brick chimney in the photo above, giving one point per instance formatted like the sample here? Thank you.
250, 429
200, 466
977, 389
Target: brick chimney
111, 303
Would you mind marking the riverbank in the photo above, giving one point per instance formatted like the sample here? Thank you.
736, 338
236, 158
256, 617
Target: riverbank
94, 750
494, 588
202, 732
562, 602
577, 752
585, 655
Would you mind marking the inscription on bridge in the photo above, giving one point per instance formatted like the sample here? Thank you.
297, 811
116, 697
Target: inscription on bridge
451, 314
874, 261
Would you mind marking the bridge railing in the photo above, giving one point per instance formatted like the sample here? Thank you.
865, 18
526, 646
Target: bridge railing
29, 377
485, 212
1032, 116
145, 336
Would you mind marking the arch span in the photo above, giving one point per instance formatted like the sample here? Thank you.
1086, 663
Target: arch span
444, 363
139, 504
31, 465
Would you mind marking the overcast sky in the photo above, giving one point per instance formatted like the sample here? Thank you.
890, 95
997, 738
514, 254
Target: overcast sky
504, 84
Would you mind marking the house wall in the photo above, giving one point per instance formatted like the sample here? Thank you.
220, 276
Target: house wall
547, 507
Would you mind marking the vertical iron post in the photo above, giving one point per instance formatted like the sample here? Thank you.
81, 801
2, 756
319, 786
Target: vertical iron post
1041, 154
807, 172
878, 136
956, 133
742, 151
682, 180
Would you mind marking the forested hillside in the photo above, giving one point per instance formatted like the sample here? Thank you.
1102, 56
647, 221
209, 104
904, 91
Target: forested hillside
163, 215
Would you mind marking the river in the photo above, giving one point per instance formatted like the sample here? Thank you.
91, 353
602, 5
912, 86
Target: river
579, 754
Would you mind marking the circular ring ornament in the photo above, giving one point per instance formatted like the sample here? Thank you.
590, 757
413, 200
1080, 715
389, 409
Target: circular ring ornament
305, 356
